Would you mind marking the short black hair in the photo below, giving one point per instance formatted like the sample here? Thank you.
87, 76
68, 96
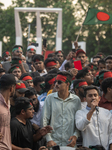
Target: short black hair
20, 103
54, 71
107, 83
34, 74
38, 79
2, 70
82, 73
51, 55
37, 57
31, 92
91, 87
108, 57
24, 75
97, 56
102, 61
67, 65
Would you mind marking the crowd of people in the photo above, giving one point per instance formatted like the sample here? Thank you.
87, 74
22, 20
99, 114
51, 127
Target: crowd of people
50, 102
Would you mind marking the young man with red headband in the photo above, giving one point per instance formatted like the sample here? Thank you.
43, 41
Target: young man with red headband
50, 64
78, 86
59, 54
48, 85
19, 92
59, 112
27, 77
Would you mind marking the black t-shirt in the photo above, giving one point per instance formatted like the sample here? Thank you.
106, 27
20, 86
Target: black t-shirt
22, 135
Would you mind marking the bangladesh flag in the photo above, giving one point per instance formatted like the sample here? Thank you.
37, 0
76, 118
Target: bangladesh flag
95, 16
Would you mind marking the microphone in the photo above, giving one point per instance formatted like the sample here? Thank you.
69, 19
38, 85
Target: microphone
97, 108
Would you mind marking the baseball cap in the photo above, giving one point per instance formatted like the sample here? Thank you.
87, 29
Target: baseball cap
20, 87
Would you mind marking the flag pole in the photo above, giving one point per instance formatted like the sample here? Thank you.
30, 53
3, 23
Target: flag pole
81, 28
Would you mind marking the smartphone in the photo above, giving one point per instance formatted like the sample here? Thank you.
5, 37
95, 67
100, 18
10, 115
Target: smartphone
78, 65
35, 44
56, 147
44, 42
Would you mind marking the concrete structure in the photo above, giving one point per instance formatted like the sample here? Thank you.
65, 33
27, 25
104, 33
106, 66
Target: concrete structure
38, 24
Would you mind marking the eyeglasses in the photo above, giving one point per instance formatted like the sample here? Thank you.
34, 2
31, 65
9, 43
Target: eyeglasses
58, 81
19, 52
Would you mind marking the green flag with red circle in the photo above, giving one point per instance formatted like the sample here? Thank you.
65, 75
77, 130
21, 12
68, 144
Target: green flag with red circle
95, 16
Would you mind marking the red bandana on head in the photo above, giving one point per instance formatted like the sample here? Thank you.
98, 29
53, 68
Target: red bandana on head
51, 81
49, 64
107, 75
82, 83
37, 60
59, 52
61, 77
27, 78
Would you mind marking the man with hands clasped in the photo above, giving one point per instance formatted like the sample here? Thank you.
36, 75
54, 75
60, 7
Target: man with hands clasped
94, 122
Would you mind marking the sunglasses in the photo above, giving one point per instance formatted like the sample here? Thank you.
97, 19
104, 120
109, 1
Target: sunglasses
58, 81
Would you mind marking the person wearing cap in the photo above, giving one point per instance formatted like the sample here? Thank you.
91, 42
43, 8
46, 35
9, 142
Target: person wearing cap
19, 92
2, 72
59, 112
16, 71
27, 77
81, 55
6, 56
108, 62
85, 74
38, 62
60, 55
50, 64
7, 89
31, 50
106, 99
22, 134
78, 86
95, 123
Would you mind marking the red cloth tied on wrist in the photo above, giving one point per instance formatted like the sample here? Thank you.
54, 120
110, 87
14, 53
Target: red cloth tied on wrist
61, 77
49, 64
107, 75
51, 81
82, 83
20, 85
27, 78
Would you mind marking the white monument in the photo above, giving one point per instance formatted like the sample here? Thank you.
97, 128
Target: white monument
38, 24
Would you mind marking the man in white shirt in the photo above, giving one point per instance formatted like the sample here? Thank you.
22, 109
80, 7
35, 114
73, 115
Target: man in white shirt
94, 122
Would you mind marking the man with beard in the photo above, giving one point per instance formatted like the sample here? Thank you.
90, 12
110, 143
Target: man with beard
78, 86
60, 55
7, 89
22, 134
31, 50
59, 112
31, 94
19, 92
